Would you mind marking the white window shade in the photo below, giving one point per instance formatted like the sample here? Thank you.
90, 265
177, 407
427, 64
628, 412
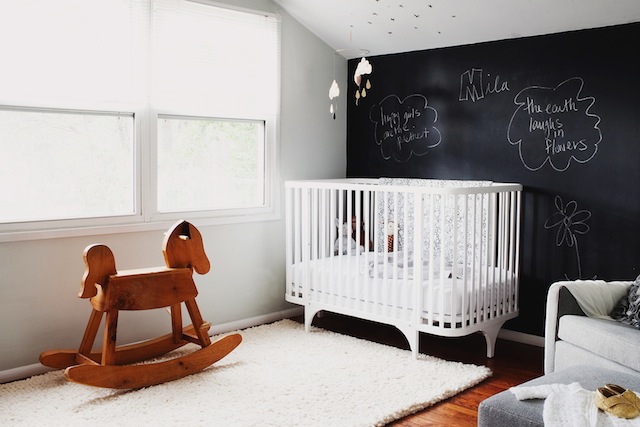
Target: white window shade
64, 53
123, 112
213, 61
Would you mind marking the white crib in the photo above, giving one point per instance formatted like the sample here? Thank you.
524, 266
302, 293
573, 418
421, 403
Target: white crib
458, 239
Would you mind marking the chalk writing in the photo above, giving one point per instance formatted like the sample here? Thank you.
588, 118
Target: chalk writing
473, 87
569, 221
554, 125
405, 127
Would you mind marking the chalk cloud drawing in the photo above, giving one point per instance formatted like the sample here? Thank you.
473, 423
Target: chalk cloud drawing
405, 127
570, 222
554, 126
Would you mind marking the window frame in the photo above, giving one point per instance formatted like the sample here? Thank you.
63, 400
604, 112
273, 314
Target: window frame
146, 216
268, 211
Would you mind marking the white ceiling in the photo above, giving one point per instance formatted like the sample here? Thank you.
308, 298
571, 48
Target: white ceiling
393, 26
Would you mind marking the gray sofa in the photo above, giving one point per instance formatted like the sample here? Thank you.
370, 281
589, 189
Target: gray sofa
504, 410
582, 344
578, 330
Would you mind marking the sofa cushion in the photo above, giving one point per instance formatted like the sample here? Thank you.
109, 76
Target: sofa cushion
568, 355
610, 339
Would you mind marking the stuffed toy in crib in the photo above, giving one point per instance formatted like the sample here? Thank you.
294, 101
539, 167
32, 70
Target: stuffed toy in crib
344, 238
392, 230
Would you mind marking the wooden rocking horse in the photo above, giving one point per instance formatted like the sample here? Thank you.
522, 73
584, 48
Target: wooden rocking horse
110, 291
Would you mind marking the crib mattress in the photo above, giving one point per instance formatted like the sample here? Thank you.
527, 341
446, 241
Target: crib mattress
387, 278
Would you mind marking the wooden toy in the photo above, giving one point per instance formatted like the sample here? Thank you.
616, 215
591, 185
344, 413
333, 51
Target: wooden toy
110, 291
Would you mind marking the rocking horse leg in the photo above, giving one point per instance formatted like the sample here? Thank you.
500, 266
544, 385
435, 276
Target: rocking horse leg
176, 323
109, 341
199, 325
89, 337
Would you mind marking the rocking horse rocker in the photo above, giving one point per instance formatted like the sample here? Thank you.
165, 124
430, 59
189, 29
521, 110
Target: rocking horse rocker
110, 291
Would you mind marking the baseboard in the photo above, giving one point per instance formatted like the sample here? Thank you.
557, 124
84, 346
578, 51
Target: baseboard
22, 372
27, 371
255, 321
521, 337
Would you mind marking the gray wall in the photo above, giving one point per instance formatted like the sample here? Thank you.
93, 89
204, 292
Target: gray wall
39, 279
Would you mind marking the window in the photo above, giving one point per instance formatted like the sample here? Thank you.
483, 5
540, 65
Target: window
135, 111
207, 164
61, 165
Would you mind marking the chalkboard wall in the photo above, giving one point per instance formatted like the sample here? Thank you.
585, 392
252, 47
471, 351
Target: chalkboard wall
559, 114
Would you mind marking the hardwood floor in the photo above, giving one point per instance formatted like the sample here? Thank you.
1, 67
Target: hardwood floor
512, 364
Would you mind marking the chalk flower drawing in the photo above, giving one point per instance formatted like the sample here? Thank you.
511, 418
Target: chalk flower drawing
569, 221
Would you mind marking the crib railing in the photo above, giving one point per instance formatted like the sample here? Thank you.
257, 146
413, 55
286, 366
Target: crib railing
359, 246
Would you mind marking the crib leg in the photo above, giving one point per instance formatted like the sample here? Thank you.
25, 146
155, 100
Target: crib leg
413, 338
415, 346
307, 322
309, 313
490, 336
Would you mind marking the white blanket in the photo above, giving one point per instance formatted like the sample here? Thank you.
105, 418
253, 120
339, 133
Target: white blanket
570, 406
400, 264
595, 299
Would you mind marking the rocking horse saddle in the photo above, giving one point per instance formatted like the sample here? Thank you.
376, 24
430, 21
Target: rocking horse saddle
110, 291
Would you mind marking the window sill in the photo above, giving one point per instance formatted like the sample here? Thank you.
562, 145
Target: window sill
161, 224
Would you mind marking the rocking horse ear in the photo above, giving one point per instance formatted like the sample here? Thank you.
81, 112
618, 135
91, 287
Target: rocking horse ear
99, 265
183, 248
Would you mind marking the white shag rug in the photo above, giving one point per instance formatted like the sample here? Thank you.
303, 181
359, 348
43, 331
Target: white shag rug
278, 376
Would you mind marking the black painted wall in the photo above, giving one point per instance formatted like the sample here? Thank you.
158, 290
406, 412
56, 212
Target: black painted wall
559, 114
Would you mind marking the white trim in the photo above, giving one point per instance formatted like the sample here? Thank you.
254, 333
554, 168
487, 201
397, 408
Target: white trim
255, 321
23, 372
521, 337
24, 235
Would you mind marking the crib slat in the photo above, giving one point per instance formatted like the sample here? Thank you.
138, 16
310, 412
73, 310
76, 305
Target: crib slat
391, 291
504, 260
366, 236
405, 296
313, 194
305, 244
516, 254
443, 242
482, 220
464, 308
332, 285
417, 272
491, 274
356, 215
289, 243
431, 258
298, 235
379, 300
454, 263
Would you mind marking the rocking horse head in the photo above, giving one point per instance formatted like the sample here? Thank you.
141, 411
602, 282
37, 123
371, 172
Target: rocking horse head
99, 265
183, 248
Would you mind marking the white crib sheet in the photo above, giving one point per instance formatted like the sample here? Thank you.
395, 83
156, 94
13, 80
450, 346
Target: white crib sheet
372, 277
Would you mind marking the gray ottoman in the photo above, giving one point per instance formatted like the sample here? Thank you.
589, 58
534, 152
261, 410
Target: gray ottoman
504, 410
